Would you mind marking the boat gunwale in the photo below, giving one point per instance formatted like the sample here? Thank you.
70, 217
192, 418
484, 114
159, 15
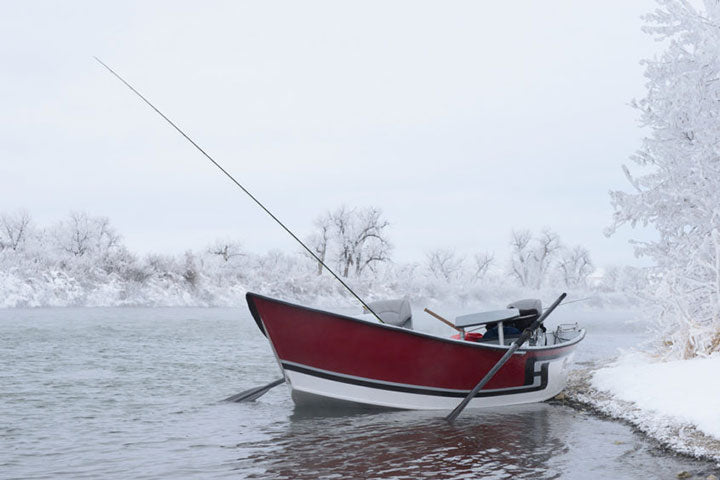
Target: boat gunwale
250, 296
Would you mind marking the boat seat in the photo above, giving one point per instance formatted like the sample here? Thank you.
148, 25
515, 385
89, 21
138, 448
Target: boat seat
394, 312
529, 309
484, 318
513, 320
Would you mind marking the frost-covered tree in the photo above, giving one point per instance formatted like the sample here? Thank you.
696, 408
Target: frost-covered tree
357, 238
319, 241
521, 256
362, 237
532, 258
632, 281
14, 230
676, 189
191, 272
82, 234
227, 250
546, 249
575, 266
444, 264
483, 262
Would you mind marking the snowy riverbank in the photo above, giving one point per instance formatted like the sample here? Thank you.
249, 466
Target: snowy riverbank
168, 286
675, 402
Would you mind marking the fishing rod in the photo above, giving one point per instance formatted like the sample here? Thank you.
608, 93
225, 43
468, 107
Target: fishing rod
241, 187
575, 301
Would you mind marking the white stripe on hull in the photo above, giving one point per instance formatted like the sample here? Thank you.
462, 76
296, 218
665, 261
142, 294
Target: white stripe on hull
304, 383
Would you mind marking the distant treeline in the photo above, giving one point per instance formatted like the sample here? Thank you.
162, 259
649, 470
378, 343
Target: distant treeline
81, 260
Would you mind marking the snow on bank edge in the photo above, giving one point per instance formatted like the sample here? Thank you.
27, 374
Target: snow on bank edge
687, 390
670, 426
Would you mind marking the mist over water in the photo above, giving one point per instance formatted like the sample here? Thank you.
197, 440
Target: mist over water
136, 393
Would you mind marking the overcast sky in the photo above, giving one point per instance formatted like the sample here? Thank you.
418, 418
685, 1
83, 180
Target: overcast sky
461, 120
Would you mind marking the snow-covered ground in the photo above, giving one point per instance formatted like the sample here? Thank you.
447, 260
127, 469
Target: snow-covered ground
687, 391
675, 402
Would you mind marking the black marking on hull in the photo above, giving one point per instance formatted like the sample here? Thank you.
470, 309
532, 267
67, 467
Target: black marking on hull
543, 374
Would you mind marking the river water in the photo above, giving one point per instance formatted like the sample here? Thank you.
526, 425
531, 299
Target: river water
136, 393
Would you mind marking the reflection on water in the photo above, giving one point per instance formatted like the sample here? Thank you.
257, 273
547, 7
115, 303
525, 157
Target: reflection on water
517, 441
135, 393
539, 441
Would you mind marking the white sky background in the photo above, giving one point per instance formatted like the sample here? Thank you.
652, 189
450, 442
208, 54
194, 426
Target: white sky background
461, 120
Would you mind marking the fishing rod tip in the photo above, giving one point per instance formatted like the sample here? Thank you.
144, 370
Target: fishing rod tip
97, 59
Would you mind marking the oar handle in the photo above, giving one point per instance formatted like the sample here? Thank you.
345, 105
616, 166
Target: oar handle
446, 322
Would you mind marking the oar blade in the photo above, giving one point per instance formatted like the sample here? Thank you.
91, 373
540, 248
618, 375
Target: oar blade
254, 393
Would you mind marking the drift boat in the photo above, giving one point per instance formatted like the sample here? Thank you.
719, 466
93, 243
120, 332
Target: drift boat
333, 360
325, 356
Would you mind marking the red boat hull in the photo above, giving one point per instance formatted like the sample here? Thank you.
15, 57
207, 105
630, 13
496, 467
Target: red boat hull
323, 354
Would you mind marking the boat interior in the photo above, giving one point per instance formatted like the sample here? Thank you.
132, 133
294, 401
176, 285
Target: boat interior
563, 333
496, 327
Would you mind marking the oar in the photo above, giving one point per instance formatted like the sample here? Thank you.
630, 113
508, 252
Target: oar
446, 322
254, 393
513, 347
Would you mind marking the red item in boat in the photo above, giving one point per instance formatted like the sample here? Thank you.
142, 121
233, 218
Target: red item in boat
469, 336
